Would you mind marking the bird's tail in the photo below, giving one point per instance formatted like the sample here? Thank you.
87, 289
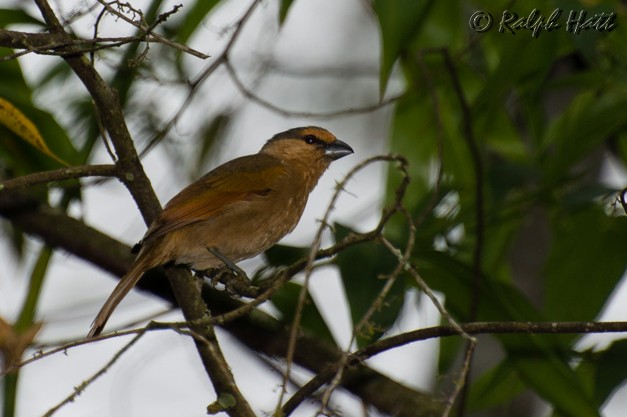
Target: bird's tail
126, 283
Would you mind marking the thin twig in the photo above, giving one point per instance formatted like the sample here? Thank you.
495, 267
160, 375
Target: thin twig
185, 288
390, 280
440, 135
61, 174
79, 389
477, 161
424, 288
195, 83
292, 113
428, 333
149, 35
106, 101
65, 47
64, 347
315, 247
461, 384
471, 341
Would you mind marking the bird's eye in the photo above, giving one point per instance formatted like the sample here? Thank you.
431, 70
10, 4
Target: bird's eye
310, 139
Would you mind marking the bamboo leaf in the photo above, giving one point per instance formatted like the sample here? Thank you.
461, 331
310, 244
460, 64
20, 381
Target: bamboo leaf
283, 9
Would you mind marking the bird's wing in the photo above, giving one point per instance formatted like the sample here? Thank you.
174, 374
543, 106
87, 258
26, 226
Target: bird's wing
238, 180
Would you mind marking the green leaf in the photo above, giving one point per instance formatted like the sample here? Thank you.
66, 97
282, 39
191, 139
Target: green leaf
411, 112
522, 65
586, 262
193, 18
37, 278
589, 120
13, 16
621, 148
226, 400
361, 268
400, 21
611, 372
286, 300
550, 375
541, 361
281, 255
497, 386
587, 46
498, 300
23, 330
210, 132
284, 7
13, 86
57, 72
18, 155
125, 76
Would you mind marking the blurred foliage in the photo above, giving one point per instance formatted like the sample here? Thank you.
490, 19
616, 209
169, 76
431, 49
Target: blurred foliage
544, 115
375, 264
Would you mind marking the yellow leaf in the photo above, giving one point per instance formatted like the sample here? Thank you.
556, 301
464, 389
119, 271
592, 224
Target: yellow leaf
18, 123
13, 344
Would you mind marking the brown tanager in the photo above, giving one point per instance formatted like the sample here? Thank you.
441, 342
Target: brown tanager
234, 212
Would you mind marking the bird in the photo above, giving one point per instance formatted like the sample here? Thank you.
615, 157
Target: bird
234, 212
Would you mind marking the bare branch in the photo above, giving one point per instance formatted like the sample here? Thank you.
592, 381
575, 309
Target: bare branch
292, 113
315, 248
394, 342
185, 288
79, 389
149, 35
477, 161
37, 178
390, 280
261, 332
440, 136
194, 84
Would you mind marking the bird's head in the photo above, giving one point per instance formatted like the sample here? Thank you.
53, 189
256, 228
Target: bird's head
310, 145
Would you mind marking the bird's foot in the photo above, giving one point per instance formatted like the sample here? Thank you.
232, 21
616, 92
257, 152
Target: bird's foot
235, 284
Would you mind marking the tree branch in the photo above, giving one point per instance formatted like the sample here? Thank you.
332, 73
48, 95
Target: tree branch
35, 42
477, 162
44, 177
148, 30
394, 342
53, 44
263, 333
477, 256
294, 113
61, 45
134, 178
107, 104
257, 330
217, 61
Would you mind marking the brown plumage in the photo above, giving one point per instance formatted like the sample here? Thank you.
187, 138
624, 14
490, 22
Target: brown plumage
240, 209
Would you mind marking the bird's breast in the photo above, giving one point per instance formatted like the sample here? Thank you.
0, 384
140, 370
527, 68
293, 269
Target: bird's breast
243, 231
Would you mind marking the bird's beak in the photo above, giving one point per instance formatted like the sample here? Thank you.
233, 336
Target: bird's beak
337, 149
